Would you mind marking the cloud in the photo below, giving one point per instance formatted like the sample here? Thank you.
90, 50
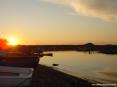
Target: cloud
104, 9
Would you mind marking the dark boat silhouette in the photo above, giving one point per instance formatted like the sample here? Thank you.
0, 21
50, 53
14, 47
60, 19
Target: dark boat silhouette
17, 68
19, 61
55, 64
22, 60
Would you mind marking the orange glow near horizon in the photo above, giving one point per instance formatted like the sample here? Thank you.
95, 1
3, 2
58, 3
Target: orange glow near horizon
12, 41
3, 44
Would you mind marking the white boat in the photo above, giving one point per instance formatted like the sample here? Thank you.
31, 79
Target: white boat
15, 76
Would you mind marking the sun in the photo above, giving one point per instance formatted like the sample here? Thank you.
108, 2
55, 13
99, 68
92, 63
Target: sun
12, 41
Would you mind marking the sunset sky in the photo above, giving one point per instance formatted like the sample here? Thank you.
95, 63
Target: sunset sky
59, 21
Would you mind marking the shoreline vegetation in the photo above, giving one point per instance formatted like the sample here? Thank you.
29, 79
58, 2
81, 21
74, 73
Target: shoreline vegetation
45, 76
89, 47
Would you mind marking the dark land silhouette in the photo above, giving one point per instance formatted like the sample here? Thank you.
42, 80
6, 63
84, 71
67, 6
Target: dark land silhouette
89, 47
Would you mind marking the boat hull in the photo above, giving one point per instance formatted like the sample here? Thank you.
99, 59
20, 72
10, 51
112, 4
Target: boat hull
24, 61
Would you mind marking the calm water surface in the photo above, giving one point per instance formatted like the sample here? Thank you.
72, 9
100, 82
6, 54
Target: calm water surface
97, 67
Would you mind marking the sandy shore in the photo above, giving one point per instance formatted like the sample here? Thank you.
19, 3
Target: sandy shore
47, 77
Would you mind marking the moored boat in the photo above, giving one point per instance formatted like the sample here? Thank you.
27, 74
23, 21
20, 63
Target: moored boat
21, 59
29, 61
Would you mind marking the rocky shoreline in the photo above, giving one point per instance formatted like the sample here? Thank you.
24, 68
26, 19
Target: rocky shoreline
47, 77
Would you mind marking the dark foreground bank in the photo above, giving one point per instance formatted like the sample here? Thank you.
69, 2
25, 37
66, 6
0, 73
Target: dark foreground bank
47, 77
